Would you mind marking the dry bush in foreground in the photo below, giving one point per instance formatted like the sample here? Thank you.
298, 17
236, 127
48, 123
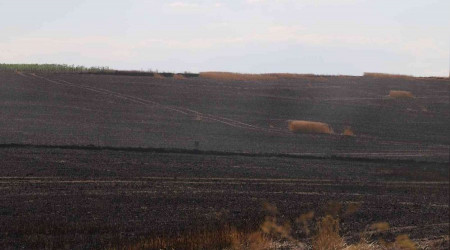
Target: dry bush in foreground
276, 234
328, 237
299, 126
400, 94
226, 238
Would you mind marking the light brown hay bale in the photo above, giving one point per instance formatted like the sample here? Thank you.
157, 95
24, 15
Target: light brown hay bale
400, 94
309, 127
348, 132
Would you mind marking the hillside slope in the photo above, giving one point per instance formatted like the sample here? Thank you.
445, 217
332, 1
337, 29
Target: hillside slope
228, 115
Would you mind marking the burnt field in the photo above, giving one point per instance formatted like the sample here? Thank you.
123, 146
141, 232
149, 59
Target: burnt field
91, 161
228, 115
93, 198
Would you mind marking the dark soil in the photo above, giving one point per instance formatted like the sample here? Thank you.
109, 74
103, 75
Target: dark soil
239, 156
90, 198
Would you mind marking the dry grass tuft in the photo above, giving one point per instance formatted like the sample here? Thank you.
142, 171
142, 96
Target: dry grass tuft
252, 241
400, 94
333, 208
352, 208
404, 243
304, 220
227, 238
299, 126
380, 226
272, 228
328, 237
274, 234
270, 208
364, 245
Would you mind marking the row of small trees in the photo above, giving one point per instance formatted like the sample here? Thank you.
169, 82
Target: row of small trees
53, 68
64, 68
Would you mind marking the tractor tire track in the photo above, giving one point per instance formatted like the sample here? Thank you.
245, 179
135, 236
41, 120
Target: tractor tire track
184, 111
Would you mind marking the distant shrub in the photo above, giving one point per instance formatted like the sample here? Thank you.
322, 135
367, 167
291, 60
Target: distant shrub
188, 74
400, 94
299, 126
166, 74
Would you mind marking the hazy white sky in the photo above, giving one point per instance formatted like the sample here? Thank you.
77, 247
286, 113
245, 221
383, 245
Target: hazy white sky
305, 36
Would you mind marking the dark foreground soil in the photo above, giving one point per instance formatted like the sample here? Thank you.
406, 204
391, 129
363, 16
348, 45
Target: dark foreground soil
64, 198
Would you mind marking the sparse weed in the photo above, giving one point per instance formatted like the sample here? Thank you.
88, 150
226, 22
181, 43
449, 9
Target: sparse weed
400, 94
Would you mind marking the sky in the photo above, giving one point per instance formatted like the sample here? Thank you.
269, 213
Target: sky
347, 37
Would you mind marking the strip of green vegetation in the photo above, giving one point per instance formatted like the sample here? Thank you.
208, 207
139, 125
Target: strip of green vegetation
57, 68
64, 68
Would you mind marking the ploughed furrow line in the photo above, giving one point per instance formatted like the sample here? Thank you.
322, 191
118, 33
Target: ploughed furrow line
184, 111
223, 180
334, 157
208, 116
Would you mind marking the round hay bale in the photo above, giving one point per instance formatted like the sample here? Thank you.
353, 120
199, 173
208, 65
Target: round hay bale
298, 126
348, 132
400, 94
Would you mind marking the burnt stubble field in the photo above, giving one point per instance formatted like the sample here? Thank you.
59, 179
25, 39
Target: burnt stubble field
94, 161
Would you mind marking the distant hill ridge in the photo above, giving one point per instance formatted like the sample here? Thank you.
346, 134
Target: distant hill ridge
65, 68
